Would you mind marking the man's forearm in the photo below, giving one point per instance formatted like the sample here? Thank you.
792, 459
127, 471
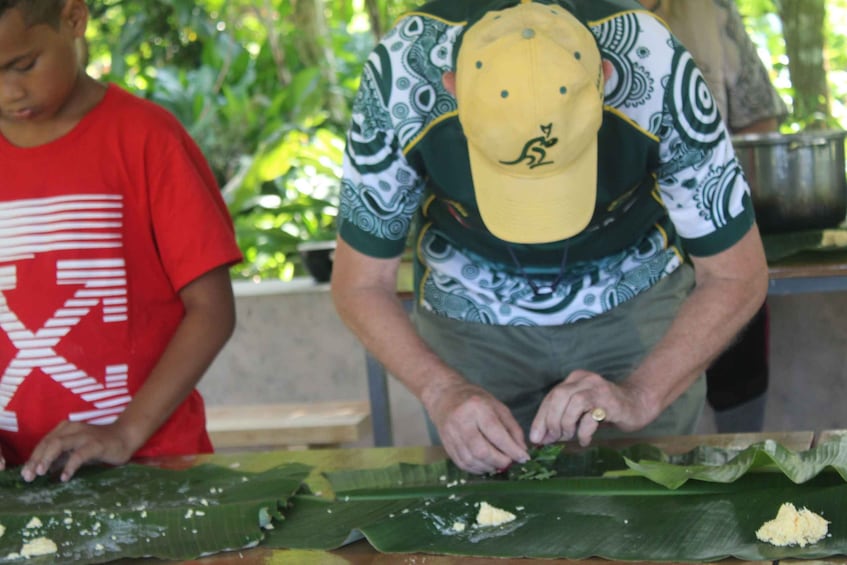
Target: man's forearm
721, 304
706, 324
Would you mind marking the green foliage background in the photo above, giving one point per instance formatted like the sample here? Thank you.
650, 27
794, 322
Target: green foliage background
764, 27
238, 74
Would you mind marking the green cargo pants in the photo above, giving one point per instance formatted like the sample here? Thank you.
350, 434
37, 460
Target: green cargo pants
520, 364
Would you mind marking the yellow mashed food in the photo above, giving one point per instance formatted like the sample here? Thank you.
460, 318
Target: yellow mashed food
492, 516
39, 546
793, 527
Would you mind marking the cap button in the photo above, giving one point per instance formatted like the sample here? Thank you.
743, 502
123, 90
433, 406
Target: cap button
528, 33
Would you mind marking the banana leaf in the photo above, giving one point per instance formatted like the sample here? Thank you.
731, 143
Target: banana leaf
138, 511
718, 465
634, 519
548, 461
603, 502
582, 511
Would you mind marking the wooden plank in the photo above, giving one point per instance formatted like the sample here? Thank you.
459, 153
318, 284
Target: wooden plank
287, 424
822, 264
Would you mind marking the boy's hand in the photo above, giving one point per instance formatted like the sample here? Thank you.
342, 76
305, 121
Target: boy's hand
2, 460
72, 444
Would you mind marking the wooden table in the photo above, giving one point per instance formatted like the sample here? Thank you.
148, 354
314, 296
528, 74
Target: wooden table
287, 425
809, 272
361, 552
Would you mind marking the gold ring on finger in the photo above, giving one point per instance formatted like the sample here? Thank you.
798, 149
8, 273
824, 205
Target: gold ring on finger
598, 414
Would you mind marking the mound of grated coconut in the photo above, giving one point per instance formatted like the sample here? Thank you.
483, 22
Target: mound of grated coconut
793, 527
492, 516
39, 546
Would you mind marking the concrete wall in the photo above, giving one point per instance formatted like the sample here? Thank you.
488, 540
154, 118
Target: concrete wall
290, 346
808, 356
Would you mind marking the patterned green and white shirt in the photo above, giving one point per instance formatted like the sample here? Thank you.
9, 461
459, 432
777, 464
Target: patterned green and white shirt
668, 180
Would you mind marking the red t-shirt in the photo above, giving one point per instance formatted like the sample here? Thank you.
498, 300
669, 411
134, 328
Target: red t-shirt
99, 230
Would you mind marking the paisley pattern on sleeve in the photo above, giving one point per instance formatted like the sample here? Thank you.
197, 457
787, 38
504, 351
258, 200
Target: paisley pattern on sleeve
399, 96
700, 179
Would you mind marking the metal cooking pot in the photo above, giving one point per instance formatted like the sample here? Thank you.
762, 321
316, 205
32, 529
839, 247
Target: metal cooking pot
797, 181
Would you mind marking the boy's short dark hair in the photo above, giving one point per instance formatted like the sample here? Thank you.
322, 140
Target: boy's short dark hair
35, 12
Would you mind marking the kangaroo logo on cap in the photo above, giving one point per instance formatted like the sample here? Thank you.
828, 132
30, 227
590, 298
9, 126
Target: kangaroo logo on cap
530, 107
534, 151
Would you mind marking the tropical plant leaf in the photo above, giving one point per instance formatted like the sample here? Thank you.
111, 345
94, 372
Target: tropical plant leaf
692, 527
597, 503
624, 518
401, 474
318, 523
412, 508
138, 511
553, 460
541, 464
722, 466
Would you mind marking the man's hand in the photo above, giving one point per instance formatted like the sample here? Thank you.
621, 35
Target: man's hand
478, 431
566, 411
2, 460
80, 444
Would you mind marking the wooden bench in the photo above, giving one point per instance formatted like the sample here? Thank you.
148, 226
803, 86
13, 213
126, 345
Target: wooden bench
291, 426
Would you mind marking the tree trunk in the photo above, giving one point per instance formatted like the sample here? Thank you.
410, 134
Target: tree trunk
803, 26
374, 17
266, 13
316, 50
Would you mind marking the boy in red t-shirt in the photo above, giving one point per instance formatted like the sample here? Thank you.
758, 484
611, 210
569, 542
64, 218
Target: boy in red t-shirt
114, 285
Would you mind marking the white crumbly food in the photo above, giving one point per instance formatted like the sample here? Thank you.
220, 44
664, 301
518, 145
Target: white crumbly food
33, 523
39, 546
793, 527
492, 516
458, 526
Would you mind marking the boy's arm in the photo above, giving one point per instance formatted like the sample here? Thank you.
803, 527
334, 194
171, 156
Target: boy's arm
207, 325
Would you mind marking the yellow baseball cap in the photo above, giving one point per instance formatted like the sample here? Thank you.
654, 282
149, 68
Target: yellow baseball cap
529, 90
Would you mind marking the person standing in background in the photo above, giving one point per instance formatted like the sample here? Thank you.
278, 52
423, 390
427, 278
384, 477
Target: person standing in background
737, 382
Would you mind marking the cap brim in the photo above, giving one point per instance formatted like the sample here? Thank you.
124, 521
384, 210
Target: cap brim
537, 210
